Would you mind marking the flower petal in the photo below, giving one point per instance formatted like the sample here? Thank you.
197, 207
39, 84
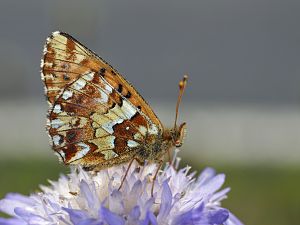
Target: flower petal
13, 200
218, 196
134, 215
233, 220
110, 218
206, 175
115, 201
166, 202
77, 216
190, 216
87, 193
149, 219
20, 198
218, 216
30, 217
90, 221
12, 221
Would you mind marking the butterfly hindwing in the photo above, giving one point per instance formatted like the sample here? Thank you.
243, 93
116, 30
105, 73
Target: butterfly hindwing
96, 116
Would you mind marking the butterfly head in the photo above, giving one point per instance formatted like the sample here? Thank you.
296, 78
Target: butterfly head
178, 135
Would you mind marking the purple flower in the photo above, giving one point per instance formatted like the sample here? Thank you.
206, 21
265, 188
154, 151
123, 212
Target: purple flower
93, 198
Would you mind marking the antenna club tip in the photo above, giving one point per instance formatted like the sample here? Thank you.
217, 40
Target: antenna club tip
183, 82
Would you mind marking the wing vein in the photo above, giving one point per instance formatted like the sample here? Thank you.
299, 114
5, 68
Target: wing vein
132, 125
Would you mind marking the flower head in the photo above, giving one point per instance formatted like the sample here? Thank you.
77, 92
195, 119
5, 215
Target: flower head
93, 198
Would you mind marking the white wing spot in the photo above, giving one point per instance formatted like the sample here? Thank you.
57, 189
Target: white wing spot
104, 97
138, 137
128, 109
57, 109
56, 123
67, 94
132, 144
56, 33
85, 147
109, 126
127, 128
143, 130
78, 85
84, 150
153, 129
89, 76
48, 64
108, 88
56, 139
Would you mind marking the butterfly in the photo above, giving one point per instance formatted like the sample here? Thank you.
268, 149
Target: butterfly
96, 118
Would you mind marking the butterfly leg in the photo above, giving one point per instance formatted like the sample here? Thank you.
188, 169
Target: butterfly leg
123, 179
155, 175
170, 158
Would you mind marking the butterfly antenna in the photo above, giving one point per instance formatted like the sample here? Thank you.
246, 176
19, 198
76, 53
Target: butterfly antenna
182, 85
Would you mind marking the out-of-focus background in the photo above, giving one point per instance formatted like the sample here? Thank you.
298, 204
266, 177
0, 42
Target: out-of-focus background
242, 104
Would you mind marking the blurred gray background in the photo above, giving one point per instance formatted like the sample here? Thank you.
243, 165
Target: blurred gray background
242, 103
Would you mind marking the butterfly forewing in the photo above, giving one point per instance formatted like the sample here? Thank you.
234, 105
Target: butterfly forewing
96, 116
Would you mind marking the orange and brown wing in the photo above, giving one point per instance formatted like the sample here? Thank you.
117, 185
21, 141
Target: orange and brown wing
96, 116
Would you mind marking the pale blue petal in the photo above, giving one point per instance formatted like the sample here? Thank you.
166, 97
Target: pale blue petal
150, 219
137, 187
12, 221
13, 200
21, 212
219, 195
110, 218
149, 203
218, 216
28, 216
189, 217
166, 201
206, 175
88, 195
233, 220
135, 213
115, 200
90, 221
213, 184
20, 198
77, 216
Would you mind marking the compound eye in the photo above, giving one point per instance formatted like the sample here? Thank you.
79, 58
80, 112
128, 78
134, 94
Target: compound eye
181, 135
178, 144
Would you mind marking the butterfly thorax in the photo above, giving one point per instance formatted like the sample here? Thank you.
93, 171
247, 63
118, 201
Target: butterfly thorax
151, 149
157, 146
